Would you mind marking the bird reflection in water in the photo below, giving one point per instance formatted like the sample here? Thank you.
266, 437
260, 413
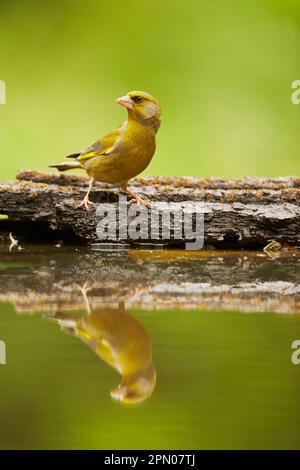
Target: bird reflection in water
119, 340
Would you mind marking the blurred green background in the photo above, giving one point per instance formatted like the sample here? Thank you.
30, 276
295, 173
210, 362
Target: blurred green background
222, 71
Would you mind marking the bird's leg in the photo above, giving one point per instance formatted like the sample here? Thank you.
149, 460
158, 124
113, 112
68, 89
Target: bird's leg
84, 290
86, 202
137, 198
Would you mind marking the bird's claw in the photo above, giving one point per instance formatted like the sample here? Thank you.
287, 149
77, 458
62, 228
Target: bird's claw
146, 203
85, 288
140, 201
86, 203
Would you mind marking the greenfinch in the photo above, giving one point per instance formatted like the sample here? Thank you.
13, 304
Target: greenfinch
120, 341
124, 152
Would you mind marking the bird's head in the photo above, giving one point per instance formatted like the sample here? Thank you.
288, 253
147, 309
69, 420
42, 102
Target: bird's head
142, 107
136, 388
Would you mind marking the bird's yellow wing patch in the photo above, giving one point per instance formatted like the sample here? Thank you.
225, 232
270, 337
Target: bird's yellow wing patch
102, 147
86, 156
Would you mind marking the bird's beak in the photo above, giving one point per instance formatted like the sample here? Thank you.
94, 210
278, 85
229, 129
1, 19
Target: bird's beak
119, 393
125, 101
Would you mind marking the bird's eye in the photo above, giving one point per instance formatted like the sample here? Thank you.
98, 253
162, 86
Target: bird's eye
137, 99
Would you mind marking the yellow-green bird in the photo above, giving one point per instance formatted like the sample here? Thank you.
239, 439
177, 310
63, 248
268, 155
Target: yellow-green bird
124, 152
121, 341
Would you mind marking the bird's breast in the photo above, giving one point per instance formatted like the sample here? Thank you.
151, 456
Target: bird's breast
133, 152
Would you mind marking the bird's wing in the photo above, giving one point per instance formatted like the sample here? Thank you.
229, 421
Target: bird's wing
103, 146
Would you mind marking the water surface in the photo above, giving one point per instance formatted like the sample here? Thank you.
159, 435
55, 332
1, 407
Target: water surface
144, 350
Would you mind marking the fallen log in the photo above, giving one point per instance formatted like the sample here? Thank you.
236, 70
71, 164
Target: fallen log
245, 212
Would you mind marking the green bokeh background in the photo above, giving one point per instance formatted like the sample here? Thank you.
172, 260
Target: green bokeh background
222, 71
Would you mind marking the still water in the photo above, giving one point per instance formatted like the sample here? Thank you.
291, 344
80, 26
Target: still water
145, 349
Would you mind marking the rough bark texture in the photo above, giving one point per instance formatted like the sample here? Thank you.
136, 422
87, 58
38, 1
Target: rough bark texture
237, 213
248, 281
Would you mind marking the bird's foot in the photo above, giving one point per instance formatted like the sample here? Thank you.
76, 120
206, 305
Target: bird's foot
140, 201
85, 289
136, 198
86, 203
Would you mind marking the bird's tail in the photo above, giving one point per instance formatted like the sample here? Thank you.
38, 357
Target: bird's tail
67, 323
73, 155
66, 166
